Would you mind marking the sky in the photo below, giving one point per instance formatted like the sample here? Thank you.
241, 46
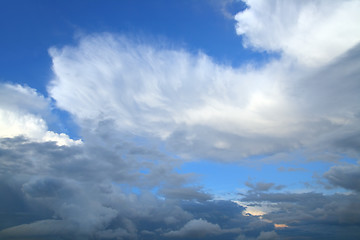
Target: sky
194, 119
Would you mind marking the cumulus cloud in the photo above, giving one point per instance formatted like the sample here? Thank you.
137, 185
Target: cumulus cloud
62, 186
312, 32
74, 193
21, 114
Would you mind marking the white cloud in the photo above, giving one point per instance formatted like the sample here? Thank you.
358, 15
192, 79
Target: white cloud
199, 108
21, 111
313, 32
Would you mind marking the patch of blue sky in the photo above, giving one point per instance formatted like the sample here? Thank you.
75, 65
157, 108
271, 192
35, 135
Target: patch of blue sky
224, 179
63, 122
144, 171
218, 178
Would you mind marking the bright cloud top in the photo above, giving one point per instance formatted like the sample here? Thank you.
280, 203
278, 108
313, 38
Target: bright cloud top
199, 107
21, 114
313, 32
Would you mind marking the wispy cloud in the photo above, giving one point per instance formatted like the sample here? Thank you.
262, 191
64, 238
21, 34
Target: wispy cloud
311, 32
199, 108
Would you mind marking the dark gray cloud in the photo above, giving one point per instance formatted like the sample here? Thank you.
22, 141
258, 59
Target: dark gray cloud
309, 215
83, 186
67, 192
345, 176
103, 192
196, 228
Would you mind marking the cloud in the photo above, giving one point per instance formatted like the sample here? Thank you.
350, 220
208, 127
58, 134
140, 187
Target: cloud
145, 108
74, 193
312, 32
263, 186
62, 186
280, 225
196, 228
267, 236
21, 114
310, 214
189, 193
290, 169
346, 176
197, 108
40, 229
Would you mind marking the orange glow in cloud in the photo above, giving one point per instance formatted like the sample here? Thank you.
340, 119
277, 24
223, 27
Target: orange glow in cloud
281, 225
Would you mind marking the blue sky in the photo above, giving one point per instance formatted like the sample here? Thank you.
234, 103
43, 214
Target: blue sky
179, 119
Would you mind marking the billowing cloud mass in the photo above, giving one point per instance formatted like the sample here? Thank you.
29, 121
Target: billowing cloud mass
312, 32
196, 228
202, 109
144, 108
21, 114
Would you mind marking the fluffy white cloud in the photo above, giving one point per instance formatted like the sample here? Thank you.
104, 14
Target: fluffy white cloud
199, 108
313, 32
21, 114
